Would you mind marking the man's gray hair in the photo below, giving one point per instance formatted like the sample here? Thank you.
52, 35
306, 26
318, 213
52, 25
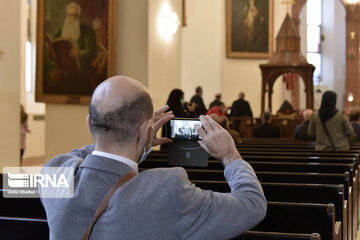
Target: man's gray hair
266, 116
307, 114
121, 124
74, 5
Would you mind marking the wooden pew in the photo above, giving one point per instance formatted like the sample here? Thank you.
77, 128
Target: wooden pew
300, 193
272, 145
256, 235
291, 145
316, 168
284, 148
284, 141
26, 228
21, 207
218, 174
301, 218
309, 155
216, 164
23, 228
292, 154
290, 167
275, 145
294, 177
296, 156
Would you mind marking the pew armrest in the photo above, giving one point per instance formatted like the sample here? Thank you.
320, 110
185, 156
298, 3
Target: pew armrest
345, 221
337, 231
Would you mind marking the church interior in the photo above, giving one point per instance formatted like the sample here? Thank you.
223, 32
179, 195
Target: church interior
281, 57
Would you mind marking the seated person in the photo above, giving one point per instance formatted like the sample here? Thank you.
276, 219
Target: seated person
159, 203
265, 129
355, 123
300, 132
240, 108
217, 101
199, 102
224, 122
220, 110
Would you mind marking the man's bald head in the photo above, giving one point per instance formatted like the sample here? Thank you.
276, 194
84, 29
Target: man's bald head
118, 107
307, 114
241, 95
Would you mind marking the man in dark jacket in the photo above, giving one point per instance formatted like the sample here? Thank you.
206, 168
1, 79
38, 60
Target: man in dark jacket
354, 121
265, 129
217, 101
240, 108
300, 132
200, 106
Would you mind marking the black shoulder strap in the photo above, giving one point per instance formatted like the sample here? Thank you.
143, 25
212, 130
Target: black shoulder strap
328, 135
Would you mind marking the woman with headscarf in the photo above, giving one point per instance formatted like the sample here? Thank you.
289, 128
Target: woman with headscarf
330, 126
179, 107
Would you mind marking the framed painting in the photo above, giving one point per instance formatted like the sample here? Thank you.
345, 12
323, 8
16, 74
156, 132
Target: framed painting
249, 28
75, 51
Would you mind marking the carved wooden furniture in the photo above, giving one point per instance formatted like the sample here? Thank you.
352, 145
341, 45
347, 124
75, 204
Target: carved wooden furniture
287, 58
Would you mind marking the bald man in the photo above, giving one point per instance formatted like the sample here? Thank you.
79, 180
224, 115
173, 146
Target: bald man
300, 132
158, 203
240, 108
217, 101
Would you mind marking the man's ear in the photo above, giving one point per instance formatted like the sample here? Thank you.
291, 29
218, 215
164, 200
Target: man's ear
88, 121
145, 130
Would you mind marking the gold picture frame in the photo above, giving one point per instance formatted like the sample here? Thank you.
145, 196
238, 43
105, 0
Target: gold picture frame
249, 28
73, 57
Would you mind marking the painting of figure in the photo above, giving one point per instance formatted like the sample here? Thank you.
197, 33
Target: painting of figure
249, 28
76, 42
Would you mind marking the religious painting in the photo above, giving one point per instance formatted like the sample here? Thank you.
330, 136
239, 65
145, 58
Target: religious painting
249, 28
75, 48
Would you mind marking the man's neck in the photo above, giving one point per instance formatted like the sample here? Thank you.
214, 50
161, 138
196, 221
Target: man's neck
123, 152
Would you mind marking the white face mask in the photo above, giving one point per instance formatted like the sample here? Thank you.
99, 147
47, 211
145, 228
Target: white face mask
148, 150
182, 101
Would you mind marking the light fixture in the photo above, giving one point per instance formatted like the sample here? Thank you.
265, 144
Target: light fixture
168, 22
350, 97
352, 1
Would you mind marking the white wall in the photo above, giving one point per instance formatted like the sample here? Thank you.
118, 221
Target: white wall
142, 54
204, 59
35, 141
11, 16
132, 45
65, 129
333, 50
245, 74
339, 52
201, 49
164, 67
205, 35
